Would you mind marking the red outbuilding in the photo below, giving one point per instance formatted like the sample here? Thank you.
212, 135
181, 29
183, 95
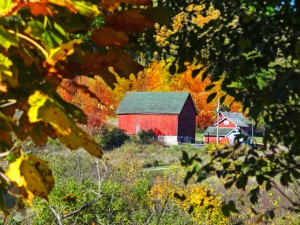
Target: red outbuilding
172, 115
230, 125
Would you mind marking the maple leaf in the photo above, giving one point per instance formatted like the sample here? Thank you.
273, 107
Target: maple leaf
111, 5
31, 176
107, 36
128, 21
46, 109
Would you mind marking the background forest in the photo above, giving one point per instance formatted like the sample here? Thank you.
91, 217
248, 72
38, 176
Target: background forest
156, 77
65, 66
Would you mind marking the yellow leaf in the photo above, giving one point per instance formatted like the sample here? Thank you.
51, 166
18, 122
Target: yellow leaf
61, 52
46, 109
6, 7
31, 176
8, 73
86, 8
70, 198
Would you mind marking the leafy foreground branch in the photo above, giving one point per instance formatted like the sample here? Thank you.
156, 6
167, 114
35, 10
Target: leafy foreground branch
42, 44
253, 171
101, 179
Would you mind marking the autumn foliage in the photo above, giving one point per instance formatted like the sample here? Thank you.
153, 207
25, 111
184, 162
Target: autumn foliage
203, 205
92, 95
158, 78
45, 45
99, 98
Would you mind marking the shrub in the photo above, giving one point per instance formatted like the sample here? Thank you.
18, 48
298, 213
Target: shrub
111, 138
211, 148
147, 137
204, 206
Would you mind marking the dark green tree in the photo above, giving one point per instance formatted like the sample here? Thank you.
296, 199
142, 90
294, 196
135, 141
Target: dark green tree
255, 46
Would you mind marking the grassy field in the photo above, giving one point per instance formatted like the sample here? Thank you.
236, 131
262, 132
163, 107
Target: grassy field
199, 136
127, 186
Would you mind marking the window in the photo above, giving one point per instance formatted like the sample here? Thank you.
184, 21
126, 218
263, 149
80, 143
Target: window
226, 122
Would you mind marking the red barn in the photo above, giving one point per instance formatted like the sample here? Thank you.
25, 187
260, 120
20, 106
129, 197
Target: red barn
230, 125
171, 114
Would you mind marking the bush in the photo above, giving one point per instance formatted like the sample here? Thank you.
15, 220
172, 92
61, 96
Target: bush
147, 137
111, 138
197, 204
211, 148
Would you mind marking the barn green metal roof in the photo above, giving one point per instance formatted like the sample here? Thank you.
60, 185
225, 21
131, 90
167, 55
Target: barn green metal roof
237, 118
213, 131
153, 103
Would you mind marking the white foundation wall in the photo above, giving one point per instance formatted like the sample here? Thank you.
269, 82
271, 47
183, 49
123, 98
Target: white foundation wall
168, 140
174, 140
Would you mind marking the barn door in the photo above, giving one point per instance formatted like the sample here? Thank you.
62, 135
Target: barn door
137, 125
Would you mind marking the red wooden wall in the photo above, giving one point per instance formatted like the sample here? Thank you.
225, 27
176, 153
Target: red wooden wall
165, 124
187, 119
213, 139
230, 124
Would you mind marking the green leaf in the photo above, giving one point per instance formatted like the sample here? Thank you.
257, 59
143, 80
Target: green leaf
188, 177
196, 72
209, 87
222, 99
242, 182
254, 195
211, 97
296, 174
159, 15
3, 203
8, 72
268, 186
185, 159
205, 74
86, 8
260, 179
7, 40
229, 184
271, 214
35, 29
59, 29
172, 69
51, 40
229, 207
285, 179
180, 197
191, 209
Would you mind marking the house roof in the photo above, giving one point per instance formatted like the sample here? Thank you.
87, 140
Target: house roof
222, 131
238, 130
153, 103
237, 118
213, 131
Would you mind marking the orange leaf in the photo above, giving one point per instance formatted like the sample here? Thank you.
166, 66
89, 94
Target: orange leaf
107, 36
122, 62
111, 5
40, 8
128, 21
37, 7
115, 57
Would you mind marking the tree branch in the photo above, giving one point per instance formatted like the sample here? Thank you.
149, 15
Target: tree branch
44, 52
88, 204
57, 215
